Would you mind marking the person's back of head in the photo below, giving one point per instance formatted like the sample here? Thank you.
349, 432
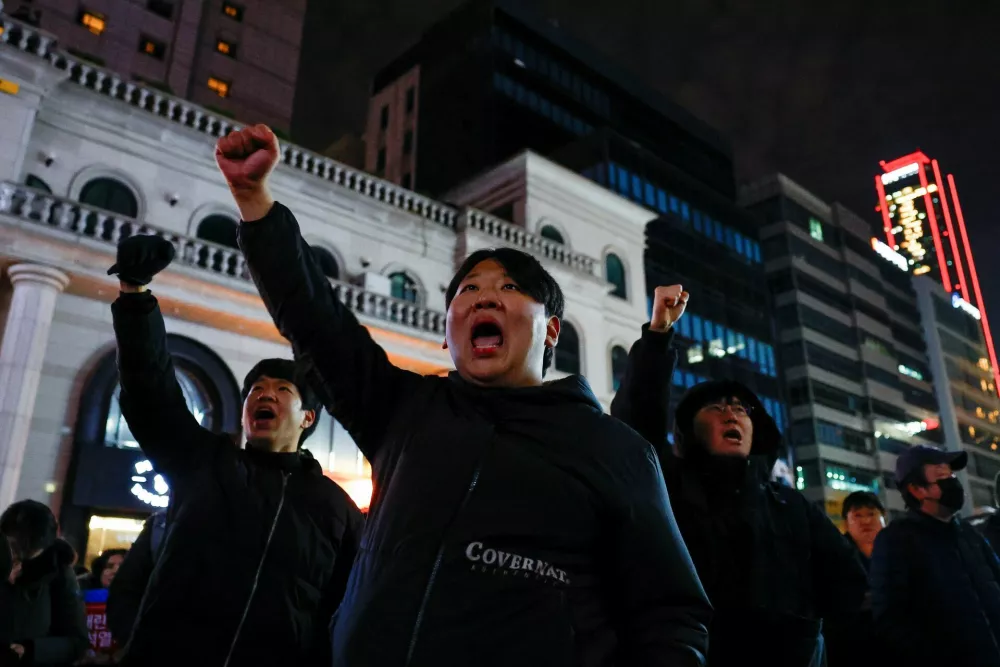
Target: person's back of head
30, 527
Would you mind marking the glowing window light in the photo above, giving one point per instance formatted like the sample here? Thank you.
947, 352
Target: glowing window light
968, 308
909, 372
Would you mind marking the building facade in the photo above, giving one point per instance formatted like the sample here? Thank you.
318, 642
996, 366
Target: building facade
859, 381
97, 157
239, 58
922, 218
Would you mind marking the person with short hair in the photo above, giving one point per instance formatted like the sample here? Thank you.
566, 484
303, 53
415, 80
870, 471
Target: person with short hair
103, 569
42, 617
513, 522
935, 581
260, 542
864, 519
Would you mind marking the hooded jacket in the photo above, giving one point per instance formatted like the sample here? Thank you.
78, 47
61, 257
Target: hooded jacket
508, 526
258, 546
772, 564
43, 609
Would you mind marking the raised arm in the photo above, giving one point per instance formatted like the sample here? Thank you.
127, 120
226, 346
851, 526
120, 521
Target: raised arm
358, 384
664, 612
643, 398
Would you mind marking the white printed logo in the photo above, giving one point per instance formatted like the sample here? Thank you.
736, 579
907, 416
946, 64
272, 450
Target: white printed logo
495, 561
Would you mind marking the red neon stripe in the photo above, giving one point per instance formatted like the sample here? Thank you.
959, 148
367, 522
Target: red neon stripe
951, 231
975, 283
901, 162
945, 279
884, 207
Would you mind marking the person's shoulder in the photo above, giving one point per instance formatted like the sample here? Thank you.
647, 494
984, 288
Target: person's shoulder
610, 434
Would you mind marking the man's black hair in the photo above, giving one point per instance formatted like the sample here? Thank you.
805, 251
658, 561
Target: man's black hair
916, 477
861, 500
285, 369
31, 525
530, 276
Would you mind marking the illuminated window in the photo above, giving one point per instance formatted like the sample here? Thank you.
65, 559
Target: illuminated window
226, 48
220, 87
234, 12
972, 431
816, 229
92, 21
151, 47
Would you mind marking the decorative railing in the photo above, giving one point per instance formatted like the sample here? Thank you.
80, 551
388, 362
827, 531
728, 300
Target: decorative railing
80, 220
519, 237
25, 37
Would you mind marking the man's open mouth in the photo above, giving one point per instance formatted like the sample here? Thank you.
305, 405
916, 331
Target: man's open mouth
733, 435
487, 336
264, 414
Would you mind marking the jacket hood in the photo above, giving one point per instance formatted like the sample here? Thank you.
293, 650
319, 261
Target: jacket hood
48, 563
571, 389
289, 461
766, 436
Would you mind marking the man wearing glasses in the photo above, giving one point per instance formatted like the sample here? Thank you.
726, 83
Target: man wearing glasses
773, 565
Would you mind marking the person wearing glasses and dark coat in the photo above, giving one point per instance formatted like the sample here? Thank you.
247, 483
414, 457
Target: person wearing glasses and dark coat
773, 565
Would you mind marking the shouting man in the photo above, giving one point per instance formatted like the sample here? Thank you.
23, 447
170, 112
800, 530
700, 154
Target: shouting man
260, 543
513, 522
773, 565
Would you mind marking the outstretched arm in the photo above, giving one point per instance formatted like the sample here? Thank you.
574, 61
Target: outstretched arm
643, 398
356, 381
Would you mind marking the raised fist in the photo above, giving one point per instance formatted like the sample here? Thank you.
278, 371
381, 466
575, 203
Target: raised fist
142, 257
247, 157
669, 303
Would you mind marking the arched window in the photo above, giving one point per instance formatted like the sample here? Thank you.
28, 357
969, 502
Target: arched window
220, 229
111, 195
327, 262
33, 181
551, 233
116, 430
404, 287
619, 360
568, 350
614, 273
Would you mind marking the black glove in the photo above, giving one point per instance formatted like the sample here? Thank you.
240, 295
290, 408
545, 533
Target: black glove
142, 257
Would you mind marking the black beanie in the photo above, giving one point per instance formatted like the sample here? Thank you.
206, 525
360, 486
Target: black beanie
285, 369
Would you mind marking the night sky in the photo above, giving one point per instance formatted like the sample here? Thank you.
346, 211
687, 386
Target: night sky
820, 91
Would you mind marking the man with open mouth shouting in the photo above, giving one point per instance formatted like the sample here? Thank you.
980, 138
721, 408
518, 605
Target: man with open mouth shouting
773, 565
259, 543
512, 522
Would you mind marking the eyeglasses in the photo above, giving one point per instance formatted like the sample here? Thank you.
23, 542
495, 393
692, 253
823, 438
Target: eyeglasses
738, 409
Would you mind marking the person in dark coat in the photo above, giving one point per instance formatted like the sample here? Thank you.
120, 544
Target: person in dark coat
989, 525
42, 619
512, 521
129, 584
260, 543
772, 563
103, 569
935, 580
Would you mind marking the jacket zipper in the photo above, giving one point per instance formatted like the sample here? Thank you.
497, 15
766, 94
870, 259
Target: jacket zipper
260, 566
436, 567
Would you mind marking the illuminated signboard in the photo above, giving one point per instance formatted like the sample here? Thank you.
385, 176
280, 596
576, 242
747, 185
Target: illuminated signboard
902, 172
889, 254
962, 304
148, 486
911, 221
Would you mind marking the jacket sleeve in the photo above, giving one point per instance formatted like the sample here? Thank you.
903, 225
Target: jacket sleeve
353, 375
643, 399
151, 399
895, 600
67, 639
129, 585
664, 613
350, 542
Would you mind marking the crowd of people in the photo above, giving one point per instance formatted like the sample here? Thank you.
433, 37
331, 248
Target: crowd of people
512, 521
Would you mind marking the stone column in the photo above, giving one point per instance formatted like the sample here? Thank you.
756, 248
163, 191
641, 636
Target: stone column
22, 353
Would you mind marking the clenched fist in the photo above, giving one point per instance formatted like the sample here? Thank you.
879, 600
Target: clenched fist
246, 158
140, 257
669, 303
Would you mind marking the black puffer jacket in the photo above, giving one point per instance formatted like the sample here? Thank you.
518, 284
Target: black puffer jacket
936, 593
508, 527
229, 507
43, 610
772, 564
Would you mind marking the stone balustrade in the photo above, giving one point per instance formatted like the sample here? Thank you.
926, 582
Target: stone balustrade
80, 220
25, 37
518, 237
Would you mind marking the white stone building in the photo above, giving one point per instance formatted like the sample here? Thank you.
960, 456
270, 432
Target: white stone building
89, 156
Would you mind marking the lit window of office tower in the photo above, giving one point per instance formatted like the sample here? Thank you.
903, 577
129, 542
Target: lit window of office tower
922, 219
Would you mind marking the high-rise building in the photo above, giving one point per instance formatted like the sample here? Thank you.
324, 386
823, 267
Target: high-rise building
922, 219
237, 57
858, 378
489, 81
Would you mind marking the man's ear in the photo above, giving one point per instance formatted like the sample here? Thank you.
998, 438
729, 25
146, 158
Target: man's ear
552, 328
309, 419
